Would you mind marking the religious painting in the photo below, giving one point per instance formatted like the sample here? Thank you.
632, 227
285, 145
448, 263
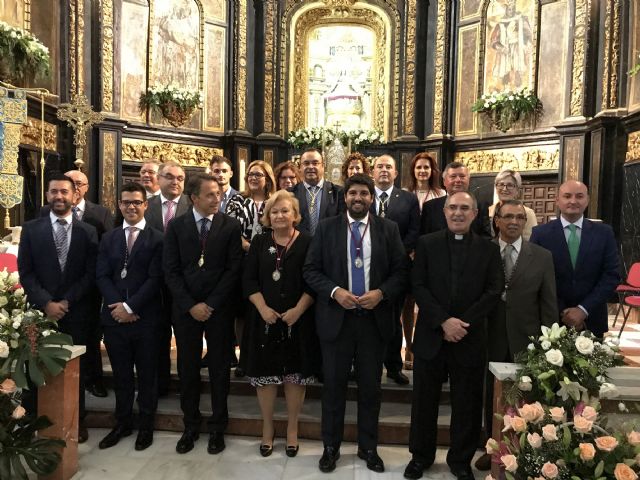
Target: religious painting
45, 24
467, 78
509, 45
133, 56
12, 12
214, 9
214, 78
176, 34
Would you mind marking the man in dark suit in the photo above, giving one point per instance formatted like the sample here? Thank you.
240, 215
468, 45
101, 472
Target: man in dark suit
401, 207
129, 275
102, 220
585, 256
457, 279
358, 268
163, 208
318, 197
202, 260
527, 303
57, 265
455, 179
221, 169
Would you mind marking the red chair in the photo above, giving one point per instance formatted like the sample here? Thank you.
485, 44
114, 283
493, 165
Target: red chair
8, 261
628, 291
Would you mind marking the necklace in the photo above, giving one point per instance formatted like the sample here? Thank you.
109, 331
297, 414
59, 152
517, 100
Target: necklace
280, 253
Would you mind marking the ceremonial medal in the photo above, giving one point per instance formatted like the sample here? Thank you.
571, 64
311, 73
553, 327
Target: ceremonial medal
276, 275
123, 273
201, 261
358, 262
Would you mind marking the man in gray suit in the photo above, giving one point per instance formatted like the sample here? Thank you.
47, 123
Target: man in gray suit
163, 208
527, 303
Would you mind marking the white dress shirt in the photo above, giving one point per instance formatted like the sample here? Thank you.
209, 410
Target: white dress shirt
80, 208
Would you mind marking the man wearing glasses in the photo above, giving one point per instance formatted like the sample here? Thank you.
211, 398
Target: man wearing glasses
527, 302
163, 208
149, 178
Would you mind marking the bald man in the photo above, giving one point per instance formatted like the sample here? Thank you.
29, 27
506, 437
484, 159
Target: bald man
585, 257
100, 218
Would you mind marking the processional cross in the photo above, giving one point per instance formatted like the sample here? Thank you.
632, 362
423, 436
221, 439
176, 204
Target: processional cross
79, 115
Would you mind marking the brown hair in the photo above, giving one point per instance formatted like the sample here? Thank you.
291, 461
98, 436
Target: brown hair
366, 168
275, 198
270, 183
434, 179
288, 165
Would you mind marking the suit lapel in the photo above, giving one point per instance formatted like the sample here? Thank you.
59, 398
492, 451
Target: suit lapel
49, 245
214, 231
377, 237
327, 198
341, 247
183, 205
523, 263
586, 238
394, 201
562, 248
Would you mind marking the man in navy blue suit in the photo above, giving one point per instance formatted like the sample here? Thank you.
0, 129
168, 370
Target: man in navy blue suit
129, 275
585, 256
57, 262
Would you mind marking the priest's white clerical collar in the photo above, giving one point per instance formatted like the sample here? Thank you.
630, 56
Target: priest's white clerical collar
458, 236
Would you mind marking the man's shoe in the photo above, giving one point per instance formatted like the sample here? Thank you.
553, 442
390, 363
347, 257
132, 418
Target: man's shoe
483, 463
374, 462
398, 377
327, 462
465, 474
216, 443
415, 469
97, 389
239, 372
114, 436
144, 439
185, 444
83, 434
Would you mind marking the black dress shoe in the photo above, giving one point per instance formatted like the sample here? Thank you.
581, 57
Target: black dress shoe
83, 434
114, 436
216, 443
415, 469
483, 463
398, 377
239, 372
97, 389
464, 474
291, 450
144, 439
327, 462
185, 444
374, 462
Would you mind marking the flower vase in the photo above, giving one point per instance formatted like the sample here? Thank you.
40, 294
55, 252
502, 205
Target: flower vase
175, 115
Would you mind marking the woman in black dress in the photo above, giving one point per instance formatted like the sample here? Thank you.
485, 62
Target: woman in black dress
282, 331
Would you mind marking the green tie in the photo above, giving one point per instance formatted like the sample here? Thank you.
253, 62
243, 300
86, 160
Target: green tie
573, 242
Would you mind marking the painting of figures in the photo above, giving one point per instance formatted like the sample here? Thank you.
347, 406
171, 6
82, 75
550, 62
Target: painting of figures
176, 33
214, 9
214, 68
509, 47
133, 56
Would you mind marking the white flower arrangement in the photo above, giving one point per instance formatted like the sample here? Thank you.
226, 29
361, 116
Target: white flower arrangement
503, 109
22, 55
175, 103
317, 137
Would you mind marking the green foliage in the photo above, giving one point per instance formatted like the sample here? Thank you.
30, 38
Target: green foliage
22, 55
318, 137
504, 109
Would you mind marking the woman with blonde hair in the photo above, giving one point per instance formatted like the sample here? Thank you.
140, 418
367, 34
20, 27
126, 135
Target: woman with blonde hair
281, 340
508, 185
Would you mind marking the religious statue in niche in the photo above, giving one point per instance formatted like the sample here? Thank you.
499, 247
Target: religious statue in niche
509, 45
176, 32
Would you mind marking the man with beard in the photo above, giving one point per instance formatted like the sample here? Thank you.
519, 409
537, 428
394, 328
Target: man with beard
457, 279
318, 198
358, 268
57, 266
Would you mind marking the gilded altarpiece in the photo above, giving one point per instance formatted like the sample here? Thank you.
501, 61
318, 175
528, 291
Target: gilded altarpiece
634, 55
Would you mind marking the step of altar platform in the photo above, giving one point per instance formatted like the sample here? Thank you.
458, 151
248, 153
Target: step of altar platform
245, 419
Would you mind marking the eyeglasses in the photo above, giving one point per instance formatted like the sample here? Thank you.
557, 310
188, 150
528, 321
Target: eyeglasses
255, 175
128, 203
148, 172
510, 217
171, 178
505, 186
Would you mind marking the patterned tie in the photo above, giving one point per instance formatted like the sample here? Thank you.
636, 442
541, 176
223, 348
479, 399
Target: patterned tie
357, 274
223, 201
61, 240
204, 230
133, 235
382, 211
507, 260
76, 213
170, 212
573, 242
312, 199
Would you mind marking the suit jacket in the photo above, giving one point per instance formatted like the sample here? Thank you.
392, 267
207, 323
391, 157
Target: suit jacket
153, 215
597, 272
482, 283
433, 219
141, 287
326, 268
40, 273
332, 203
403, 208
94, 214
215, 281
530, 303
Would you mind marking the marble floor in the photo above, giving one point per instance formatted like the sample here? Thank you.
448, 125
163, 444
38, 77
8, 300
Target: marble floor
240, 461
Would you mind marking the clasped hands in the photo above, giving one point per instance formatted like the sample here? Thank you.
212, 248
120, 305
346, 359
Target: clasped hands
348, 300
56, 310
270, 316
120, 314
454, 329
201, 312
573, 317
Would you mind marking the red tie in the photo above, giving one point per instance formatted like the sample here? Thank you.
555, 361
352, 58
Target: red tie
133, 235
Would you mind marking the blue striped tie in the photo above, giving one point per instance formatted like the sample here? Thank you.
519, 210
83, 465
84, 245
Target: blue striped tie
357, 274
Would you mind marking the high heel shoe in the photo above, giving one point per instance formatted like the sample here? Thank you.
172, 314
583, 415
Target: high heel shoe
292, 451
266, 450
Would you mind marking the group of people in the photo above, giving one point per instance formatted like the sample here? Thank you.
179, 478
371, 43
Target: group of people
320, 281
